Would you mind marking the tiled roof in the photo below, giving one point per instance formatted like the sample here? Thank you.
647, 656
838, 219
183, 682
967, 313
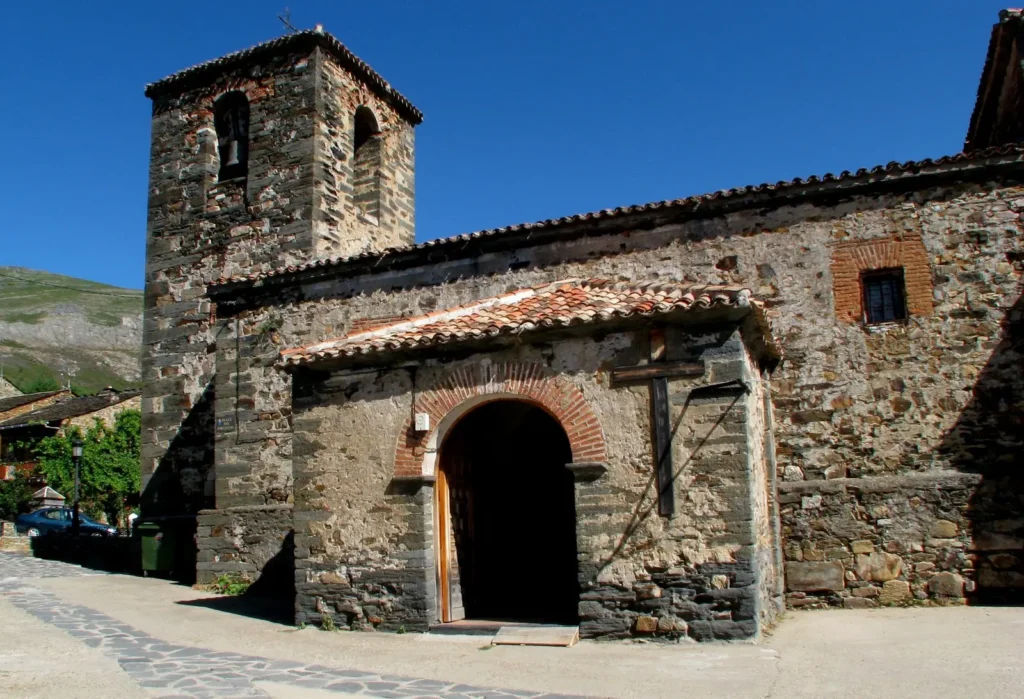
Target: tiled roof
828, 181
71, 408
312, 37
18, 401
556, 305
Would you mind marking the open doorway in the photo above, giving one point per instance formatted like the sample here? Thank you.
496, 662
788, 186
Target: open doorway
507, 518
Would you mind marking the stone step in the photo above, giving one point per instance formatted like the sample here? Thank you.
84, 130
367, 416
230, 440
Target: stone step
512, 633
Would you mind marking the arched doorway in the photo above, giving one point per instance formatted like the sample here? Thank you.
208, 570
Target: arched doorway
507, 517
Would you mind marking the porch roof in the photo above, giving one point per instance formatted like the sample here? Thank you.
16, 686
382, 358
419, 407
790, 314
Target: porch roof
560, 304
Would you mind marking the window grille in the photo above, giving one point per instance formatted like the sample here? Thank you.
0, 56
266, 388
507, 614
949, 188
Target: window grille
884, 296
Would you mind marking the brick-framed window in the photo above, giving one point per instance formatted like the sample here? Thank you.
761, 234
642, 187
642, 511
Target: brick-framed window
884, 296
857, 261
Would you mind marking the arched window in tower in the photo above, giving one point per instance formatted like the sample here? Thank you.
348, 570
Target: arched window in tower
366, 162
231, 120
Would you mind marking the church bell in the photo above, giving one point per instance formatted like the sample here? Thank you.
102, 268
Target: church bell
231, 153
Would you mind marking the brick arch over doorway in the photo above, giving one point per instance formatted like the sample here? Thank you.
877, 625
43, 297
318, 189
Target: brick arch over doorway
465, 388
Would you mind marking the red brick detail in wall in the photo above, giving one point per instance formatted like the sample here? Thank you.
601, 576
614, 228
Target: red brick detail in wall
850, 260
527, 381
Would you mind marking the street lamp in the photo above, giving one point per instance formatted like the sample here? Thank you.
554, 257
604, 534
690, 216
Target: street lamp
76, 453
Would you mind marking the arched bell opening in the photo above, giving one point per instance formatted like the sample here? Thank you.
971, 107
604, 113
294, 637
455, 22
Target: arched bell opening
231, 121
366, 162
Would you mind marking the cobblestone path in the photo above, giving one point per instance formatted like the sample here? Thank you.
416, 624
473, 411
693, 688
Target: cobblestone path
170, 671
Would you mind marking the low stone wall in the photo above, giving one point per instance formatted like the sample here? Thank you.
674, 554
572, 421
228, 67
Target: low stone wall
715, 601
929, 537
15, 543
252, 542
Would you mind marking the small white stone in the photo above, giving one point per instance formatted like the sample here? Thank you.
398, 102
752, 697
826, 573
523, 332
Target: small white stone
810, 502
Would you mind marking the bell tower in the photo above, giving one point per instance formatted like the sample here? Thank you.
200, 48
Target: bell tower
287, 152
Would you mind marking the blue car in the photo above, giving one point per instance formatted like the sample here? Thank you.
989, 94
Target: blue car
50, 520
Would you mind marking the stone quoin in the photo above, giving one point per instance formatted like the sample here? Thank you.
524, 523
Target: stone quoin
668, 420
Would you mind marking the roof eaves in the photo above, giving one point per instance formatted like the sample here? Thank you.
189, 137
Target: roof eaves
183, 79
763, 192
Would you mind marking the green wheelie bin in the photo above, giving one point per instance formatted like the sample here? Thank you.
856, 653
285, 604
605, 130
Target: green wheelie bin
158, 547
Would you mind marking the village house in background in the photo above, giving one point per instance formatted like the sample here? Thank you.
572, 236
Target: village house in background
28, 419
664, 420
11, 408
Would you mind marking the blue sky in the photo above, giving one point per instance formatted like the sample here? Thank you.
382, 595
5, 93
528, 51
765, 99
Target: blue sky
534, 109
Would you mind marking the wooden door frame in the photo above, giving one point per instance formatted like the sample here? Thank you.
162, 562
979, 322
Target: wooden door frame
443, 538
442, 525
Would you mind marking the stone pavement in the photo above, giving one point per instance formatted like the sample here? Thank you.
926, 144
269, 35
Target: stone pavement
93, 636
171, 671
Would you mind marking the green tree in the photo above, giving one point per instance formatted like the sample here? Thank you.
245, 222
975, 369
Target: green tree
109, 468
15, 495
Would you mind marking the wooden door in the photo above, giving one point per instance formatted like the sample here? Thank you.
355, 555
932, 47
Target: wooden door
454, 529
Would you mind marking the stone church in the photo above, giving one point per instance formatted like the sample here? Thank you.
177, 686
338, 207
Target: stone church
669, 420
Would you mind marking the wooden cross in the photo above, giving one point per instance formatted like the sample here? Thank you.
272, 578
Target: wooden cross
658, 372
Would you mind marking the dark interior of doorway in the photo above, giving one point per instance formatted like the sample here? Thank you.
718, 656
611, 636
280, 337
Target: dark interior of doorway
514, 499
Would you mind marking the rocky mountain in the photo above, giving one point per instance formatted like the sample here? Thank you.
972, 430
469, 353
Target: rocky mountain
54, 327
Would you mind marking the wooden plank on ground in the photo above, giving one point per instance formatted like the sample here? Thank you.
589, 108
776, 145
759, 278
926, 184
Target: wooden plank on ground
565, 636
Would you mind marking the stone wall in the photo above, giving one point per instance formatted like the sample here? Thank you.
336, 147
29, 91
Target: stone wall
364, 540
937, 393
763, 493
200, 230
294, 206
861, 542
248, 542
848, 398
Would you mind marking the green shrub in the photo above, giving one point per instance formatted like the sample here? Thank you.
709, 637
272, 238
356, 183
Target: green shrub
230, 585
15, 495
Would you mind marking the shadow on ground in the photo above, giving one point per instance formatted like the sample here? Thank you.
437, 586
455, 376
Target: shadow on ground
114, 554
248, 605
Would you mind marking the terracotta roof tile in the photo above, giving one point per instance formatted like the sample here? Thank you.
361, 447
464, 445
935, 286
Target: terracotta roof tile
555, 305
